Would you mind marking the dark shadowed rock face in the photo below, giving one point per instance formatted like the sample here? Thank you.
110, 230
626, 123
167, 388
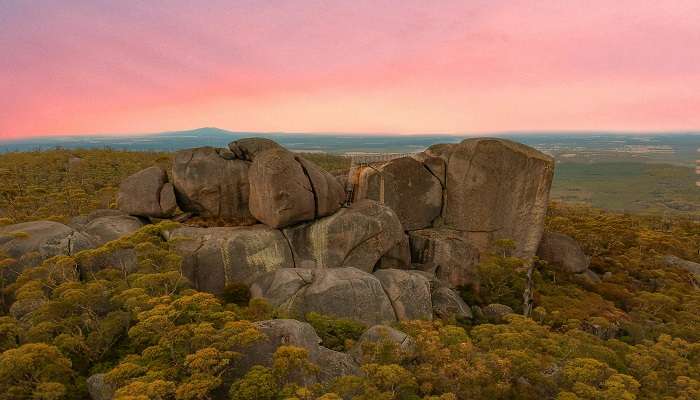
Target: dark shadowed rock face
497, 189
398, 257
409, 293
406, 186
562, 252
357, 236
447, 254
211, 183
340, 292
286, 189
216, 257
147, 193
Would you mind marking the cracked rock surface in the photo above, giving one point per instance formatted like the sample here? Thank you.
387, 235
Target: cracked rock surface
340, 292
211, 183
286, 189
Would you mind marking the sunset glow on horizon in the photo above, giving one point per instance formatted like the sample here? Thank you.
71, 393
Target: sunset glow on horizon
87, 67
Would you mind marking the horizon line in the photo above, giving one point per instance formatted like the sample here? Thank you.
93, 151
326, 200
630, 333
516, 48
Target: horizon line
524, 132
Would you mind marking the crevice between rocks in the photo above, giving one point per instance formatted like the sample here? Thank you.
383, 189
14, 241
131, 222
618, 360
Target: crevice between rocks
311, 184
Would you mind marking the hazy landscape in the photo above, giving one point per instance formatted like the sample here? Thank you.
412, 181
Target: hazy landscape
648, 173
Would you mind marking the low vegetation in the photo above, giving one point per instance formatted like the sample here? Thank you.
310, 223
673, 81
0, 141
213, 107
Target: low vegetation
633, 335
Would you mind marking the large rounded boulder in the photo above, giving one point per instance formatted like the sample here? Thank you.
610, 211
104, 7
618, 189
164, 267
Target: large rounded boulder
339, 292
211, 183
214, 258
357, 237
409, 293
563, 252
147, 193
406, 186
286, 189
498, 189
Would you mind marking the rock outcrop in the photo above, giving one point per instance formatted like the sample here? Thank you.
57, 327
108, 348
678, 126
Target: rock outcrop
214, 258
147, 193
290, 332
447, 254
213, 184
408, 292
339, 292
286, 189
563, 252
357, 237
447, 304
247, 148
407, 187
692, 267
29, 243
498, 189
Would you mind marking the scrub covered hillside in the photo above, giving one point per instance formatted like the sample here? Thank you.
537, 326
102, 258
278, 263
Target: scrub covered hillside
629, 330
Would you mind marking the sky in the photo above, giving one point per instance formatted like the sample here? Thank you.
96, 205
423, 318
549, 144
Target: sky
405, 66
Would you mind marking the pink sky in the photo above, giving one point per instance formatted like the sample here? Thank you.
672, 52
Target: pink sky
404, 66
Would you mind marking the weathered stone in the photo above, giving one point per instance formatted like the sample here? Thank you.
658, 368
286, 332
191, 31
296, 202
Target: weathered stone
496, 312
282, 285
447, 304
562, 252
692, 267
216, 257
140, 194
329, 194
378, 337
339, 292
353, 237
248, 148
98, 388
280, 192
289, 332
286, 189
498, 189
447, 254
398, 257
435, 165
101, 230
29, 243
407, 187
409, 293
210, 183
168, 201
